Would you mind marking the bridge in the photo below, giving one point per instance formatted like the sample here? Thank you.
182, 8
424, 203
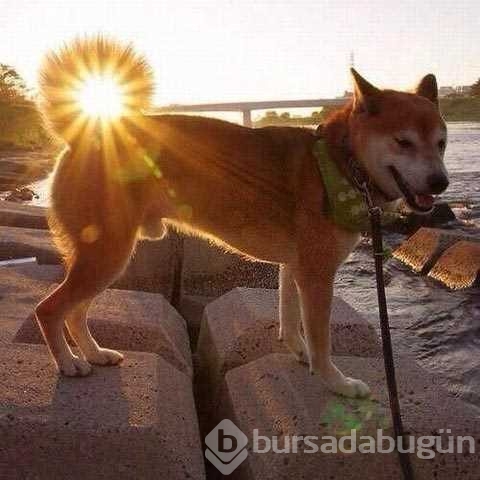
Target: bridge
246, 108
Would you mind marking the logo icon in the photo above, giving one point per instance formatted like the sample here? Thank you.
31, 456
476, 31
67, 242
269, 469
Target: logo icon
226, 447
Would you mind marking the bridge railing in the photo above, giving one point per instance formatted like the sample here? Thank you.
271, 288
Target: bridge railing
246, 108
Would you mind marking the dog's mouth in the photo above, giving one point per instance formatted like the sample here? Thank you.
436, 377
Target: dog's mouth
420, 203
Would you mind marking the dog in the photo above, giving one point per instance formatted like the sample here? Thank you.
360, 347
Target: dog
254, 191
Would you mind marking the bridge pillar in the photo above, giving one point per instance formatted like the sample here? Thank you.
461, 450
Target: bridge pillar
247, 118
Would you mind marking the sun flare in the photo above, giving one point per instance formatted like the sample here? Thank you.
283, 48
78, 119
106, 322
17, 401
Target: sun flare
101, 96
94, 85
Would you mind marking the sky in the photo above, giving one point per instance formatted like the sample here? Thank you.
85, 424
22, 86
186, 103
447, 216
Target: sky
225, 50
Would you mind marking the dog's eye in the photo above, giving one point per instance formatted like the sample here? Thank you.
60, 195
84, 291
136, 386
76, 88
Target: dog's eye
404, 143
441, 144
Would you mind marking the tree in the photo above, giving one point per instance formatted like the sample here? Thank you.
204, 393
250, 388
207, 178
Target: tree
12, 86
271, 114
475, 90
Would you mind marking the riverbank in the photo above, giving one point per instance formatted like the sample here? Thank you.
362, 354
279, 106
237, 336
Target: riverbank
454, 109
21, 127
460, 109
20, 167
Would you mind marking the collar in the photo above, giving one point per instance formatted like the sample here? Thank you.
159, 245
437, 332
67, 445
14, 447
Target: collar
358, 176
346, 203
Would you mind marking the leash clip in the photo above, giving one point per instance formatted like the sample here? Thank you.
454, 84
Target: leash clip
373, 210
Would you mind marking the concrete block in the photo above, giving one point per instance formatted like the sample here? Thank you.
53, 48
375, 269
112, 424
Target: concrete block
119, 319
20, 215
18, 242
278, 396
134, 321
151, 268
133, 421
210, 271
21, 288
242, 326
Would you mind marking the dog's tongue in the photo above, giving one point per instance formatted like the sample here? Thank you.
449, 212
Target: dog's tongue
425, 201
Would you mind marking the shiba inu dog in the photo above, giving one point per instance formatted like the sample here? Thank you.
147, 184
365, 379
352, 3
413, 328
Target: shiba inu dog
256, 191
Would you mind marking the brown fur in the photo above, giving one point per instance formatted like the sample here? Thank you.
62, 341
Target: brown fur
255, 191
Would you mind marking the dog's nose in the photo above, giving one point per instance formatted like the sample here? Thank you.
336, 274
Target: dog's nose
437, 183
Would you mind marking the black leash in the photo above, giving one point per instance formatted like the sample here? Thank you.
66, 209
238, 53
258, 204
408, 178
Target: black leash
360, 179
377, 244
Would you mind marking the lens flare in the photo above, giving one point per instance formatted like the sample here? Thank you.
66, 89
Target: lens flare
95, 89
101, 97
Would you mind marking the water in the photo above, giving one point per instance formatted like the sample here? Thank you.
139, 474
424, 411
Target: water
441, 328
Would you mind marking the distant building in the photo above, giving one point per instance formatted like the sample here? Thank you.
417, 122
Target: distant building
446, 91
464, 89
460, 90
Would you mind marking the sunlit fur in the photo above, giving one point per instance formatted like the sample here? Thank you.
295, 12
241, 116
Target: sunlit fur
255, 191
415, 119
371, 138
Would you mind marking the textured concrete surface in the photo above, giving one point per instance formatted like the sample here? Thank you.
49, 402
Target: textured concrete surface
151, 268
134, 321
242, 326
207, 269
125, 320
210, 271
133, 421
191, 308
21, 288
277, 396
19, 215
18, 242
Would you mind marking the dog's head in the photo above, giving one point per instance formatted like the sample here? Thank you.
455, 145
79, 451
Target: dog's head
400, 140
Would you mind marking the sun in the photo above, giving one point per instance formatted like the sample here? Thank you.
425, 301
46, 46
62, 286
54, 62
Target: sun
101, 97
95, 85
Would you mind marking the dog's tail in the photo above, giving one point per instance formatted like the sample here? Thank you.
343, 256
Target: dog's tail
66, 72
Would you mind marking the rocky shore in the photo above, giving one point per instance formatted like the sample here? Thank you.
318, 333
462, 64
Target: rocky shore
200, 340
22, 167
214, 357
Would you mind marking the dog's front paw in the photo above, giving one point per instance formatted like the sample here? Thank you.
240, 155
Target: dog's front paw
350, 387
105, 356
74, 367
338, 383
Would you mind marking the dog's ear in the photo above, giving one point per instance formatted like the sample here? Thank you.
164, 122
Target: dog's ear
428, 88
365, 96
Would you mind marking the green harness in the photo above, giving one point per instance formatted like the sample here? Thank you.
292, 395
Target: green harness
346, 205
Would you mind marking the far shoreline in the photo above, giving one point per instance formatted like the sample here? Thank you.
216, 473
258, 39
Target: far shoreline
453, 109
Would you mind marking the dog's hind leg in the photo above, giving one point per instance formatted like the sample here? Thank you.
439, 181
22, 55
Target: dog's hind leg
290, 317
93, 267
